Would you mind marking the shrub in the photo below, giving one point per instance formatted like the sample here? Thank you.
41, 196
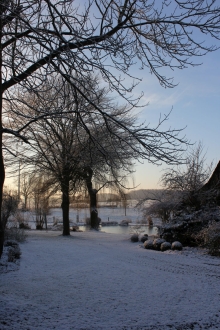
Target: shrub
144, 238
176, 246
10, 243
88, 221
157, 243
210, 238
125, 222
137, 229
9, 207
14, 253
74, 228
165, 246
134, 238
24, 226
142, 221
16, 234
149, 245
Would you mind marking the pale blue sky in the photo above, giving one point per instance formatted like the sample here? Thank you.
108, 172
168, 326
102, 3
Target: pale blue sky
196, 104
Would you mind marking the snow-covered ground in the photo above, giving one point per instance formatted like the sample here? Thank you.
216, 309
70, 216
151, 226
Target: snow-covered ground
94, 280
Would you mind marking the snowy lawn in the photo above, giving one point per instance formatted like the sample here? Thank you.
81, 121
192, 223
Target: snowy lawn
94, 280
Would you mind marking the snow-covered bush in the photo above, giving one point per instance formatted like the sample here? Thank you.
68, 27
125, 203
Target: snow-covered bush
165, 246
176, 246
146, 220
10, 242
22, 220
164, 203
157, 243
9, 207
24, 226
14, 253
137, 229
187, 189
125, 222
210, 238
134, 238
88, 221
144, 238
149, 245
14, 233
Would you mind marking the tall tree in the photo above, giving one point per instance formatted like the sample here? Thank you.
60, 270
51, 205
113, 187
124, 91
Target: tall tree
60, 147
39, 37
27, 182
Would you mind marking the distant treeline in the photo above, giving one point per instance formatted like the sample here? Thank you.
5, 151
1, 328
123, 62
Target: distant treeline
134, 194
143, 194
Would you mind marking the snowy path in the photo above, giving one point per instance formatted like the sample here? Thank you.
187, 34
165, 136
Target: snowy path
103, 281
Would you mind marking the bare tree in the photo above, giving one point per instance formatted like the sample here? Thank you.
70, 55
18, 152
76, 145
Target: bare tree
40, 37
183, 187
41, 191
187, 181
162, 204
9, 207
27, 185
60, 147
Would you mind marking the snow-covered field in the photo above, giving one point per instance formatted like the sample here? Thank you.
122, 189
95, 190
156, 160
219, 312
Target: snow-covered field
95, 280
107, 214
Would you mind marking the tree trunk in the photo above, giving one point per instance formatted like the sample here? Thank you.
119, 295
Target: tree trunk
65, 207
25, 202
93, 209
94, 220
2, 178
2, 169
